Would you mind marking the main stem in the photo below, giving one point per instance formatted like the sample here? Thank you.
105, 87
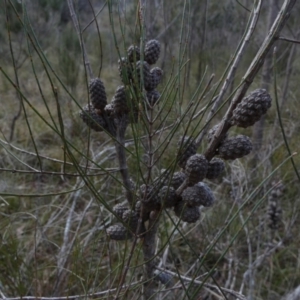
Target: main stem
121, 125
149, 255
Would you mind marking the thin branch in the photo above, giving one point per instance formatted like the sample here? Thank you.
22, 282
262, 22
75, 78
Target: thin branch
161, 34
65, 249
252, 71
289, 40
127, 266
208, 285
113, 170
247, 9
121, 125
289, 69
94, 18
18, 114
71, 297
232, 70
178, 121
2, 295
149, 255
260, 259
77, 28
54, 159
258, 263
294, 295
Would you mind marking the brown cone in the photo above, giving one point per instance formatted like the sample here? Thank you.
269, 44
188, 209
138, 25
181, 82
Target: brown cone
168, 197
97, 93
92, 119
199, 194
186, 213
125, 70
118, 232
187, 148
154, 79
215, 168
251, 108
119, 209
196, 168
235, 147
133, 53
119, 101
152, 51
178, 179
130, 218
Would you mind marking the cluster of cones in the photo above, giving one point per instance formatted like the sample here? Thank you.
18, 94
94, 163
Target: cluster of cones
163, 193
184, 191
140, 82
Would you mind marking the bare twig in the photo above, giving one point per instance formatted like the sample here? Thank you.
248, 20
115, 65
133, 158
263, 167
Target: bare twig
258, 128
77, 28
258, 262
95, 16
121, 125
174, 124
289, 40
14, 120
232, 70
2, 295
243, 6
252, 71
150, 236
260, 259
66, 247
161, 34
289, 69
285, 89
15, 171
54, 159
149, 255
18, 114
126, 267
198, 282
294, 295
71, 297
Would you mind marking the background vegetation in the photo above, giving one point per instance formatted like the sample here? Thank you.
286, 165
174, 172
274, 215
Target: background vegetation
52, 224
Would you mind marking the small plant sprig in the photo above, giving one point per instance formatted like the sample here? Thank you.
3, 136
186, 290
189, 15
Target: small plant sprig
185, 191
